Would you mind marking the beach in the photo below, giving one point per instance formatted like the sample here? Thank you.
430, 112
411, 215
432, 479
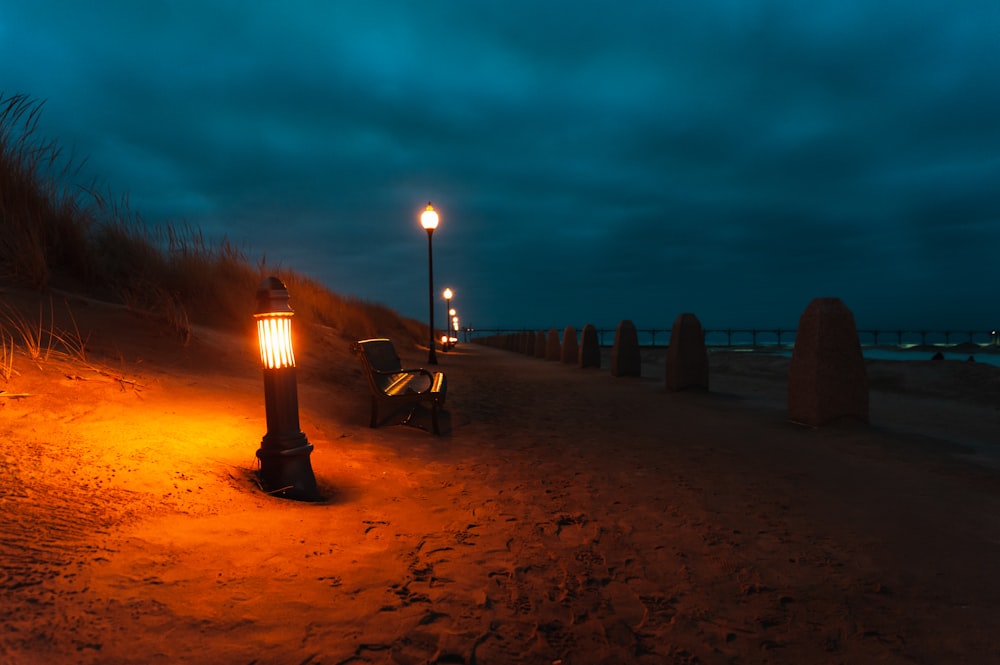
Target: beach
565, 515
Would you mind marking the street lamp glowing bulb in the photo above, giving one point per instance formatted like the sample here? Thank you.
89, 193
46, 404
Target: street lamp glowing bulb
429, 218
447, 293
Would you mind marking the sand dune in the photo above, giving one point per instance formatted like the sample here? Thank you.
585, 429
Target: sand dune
567, 516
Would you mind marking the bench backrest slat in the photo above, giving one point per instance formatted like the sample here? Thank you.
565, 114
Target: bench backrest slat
380, 355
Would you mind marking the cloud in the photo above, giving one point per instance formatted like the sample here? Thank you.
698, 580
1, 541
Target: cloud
723, 156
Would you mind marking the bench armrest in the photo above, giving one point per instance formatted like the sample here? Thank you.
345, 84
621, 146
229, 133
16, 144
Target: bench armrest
391, 372
416, 370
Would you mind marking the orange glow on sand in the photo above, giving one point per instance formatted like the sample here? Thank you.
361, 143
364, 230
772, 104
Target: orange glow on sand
540, 527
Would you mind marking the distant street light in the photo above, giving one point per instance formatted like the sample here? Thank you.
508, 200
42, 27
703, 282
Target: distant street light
447, 294
284, 451
429, 220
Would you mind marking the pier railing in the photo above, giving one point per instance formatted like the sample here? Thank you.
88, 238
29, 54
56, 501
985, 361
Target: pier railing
776, 337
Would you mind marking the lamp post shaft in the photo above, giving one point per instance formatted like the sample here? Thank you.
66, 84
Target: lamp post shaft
431, 355
447, 320
281, 404
284, 451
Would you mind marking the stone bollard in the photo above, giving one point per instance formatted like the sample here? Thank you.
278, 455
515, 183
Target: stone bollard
590, 347
552, 348
625, 358
687, 358
528, 343
540, 344
570, 349
826, 377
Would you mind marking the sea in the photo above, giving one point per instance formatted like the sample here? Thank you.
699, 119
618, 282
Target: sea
986, 353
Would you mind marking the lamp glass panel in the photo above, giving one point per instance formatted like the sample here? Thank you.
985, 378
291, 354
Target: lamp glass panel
429, 218
275, 336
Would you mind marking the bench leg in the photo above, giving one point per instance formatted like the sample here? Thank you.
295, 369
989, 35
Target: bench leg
409, 417
434, 419
434, 406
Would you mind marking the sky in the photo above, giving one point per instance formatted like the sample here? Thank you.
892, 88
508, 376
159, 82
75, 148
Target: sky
590, 161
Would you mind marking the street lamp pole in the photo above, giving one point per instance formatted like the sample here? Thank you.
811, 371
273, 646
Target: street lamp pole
429, 220
447, 294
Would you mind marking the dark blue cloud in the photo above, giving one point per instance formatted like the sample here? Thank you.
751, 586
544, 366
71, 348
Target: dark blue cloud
590, 163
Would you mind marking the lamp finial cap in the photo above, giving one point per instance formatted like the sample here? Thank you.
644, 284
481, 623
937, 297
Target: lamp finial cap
272, 298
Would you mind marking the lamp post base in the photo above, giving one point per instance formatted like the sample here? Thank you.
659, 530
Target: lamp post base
285, 469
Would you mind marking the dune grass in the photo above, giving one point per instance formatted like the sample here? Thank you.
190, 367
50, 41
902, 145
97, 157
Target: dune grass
58, 233
41, 338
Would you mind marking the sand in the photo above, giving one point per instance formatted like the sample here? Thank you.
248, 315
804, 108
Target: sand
566, 516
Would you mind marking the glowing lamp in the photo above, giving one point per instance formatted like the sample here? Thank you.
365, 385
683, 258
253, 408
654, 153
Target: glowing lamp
429, 218
274, 325
284, 451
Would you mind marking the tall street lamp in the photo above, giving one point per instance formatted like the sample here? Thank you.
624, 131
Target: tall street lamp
447, 294
429, 220
284, 451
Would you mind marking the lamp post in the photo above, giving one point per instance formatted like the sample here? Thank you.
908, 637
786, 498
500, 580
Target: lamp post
284, 451
447, 294
429, 220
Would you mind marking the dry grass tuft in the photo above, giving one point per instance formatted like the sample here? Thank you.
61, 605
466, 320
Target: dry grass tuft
6, 355
41, 339
42, 222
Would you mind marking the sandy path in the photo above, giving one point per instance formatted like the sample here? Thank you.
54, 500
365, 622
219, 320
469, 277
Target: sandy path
567, 516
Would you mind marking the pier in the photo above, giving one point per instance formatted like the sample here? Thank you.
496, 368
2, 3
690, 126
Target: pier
777, 337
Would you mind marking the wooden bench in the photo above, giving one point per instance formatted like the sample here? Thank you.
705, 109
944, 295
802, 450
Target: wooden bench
390, 383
